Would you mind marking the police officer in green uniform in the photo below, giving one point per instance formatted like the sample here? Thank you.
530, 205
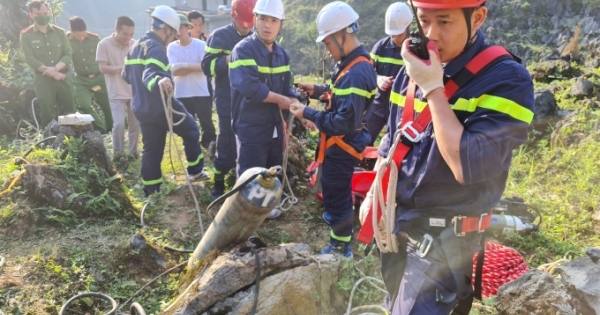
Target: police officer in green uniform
48, 53
88, 79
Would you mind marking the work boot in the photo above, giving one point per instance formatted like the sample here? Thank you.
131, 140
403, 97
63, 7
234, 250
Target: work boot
211, 151
197, 177
275, 213
218, 189
338, 247
327, 218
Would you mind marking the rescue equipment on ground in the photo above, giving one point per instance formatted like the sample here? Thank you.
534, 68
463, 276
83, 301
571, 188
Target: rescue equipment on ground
501, 265
246, 206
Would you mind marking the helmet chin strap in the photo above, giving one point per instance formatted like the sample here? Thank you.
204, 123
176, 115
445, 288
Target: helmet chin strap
340, 46
470, 37
171, 31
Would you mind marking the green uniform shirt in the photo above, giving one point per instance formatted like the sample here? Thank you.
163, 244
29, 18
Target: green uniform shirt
45, 49
84, 54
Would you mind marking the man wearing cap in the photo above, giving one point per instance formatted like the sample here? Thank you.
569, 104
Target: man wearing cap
89, 82
48, 53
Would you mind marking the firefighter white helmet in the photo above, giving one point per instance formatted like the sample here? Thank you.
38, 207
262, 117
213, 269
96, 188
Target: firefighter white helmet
397, 18
334, 17
272, 8
168, 16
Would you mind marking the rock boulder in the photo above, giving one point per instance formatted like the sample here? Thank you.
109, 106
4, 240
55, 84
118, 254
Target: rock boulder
537, 293
584, 275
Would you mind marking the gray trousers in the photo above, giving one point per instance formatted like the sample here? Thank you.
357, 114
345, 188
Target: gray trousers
121, 109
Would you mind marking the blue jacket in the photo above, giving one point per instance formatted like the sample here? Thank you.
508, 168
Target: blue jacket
219, 46
145, 65
387, 62
352, 99
255, 71
495, 108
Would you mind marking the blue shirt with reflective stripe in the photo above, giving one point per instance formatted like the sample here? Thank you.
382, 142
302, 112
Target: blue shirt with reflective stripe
218, 47
495, 108
145, 65
255, 71
352, 99
387, 62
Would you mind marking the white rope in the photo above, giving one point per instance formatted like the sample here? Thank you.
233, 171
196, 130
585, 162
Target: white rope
33, 114
167, 98
384, 236
350, 310
287, 199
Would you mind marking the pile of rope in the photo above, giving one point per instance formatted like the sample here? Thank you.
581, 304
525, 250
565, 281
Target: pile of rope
501, 265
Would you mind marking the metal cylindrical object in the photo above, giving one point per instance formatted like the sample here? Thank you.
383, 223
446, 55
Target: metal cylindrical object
503, 224
241, 214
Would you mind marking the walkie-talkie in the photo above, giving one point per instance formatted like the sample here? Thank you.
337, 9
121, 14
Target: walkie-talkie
418, 41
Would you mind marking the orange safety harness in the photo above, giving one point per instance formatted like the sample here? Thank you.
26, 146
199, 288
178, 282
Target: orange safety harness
326, 142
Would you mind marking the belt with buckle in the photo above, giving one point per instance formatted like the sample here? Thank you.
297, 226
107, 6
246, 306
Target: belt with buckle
462, 224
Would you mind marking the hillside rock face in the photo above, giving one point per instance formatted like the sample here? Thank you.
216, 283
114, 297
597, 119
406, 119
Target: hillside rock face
527, 28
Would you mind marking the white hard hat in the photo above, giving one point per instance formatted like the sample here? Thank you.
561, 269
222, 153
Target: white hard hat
272, 8
334, 17
167, 15
397, 18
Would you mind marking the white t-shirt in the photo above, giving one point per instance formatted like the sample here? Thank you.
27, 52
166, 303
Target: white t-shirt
195, 83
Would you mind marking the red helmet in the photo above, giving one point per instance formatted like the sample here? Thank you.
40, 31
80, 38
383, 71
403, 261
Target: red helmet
447, 4
241, 11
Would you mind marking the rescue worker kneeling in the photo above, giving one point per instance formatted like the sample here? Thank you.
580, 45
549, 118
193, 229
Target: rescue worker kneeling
343, 134
456, 117
147, 69
259, 71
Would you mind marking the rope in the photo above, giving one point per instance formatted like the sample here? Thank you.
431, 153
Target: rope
287, 199
167, 99
551, 267
501, 265
350, 310
384, 236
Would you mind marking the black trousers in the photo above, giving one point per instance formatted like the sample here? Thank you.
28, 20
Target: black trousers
201, 107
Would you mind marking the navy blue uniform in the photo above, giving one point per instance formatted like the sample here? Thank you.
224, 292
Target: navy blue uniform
352, 98
255, 71
145, 65
219, 46
387, 62
495, 108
